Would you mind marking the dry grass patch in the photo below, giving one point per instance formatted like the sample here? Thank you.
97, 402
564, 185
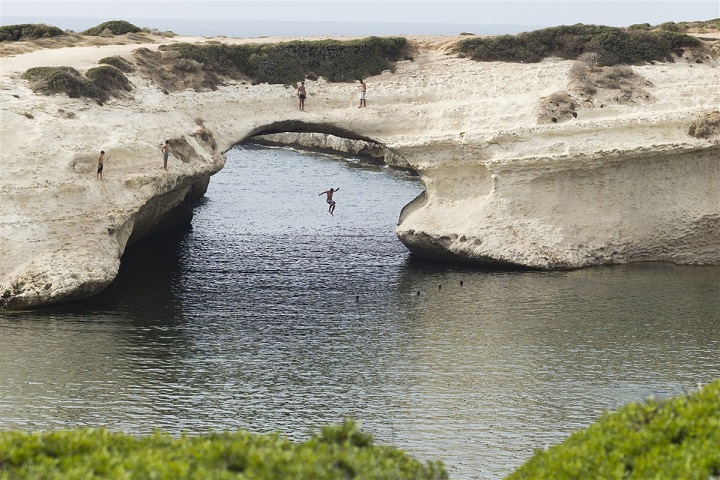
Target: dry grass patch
590, 86
204, 136
706, 126
557, 108
618, 84
171, 73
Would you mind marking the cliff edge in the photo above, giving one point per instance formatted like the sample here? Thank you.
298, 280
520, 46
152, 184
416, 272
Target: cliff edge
520, 167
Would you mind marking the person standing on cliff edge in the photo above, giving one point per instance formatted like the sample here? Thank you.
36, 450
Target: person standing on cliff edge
330, 200
363, 89
100, 164
301, 95
165, 153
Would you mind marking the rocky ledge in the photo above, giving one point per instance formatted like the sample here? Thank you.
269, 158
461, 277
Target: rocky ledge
521, 167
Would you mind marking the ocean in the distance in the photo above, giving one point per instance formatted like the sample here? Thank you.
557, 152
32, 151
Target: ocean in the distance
269, 28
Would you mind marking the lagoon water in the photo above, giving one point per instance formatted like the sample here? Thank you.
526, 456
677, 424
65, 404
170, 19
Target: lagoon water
269, 314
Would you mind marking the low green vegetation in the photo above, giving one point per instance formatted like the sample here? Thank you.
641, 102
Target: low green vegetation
99, 83
613, 45
672, 439
290, 62
119, 63
337, 452
108, 79
683, 27
28, 31
116, 27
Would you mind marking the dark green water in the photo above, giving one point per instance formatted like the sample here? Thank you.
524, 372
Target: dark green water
249, 320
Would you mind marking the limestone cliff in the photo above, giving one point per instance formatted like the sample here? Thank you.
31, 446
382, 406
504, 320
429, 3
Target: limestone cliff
608, 182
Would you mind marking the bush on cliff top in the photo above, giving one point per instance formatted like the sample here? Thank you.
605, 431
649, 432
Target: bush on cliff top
119, 63
337, 452
116, 27
28, 31
290, 62
108, 79
676, 438
613, 45
100, 83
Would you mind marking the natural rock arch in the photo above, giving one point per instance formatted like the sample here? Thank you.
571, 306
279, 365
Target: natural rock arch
327, 137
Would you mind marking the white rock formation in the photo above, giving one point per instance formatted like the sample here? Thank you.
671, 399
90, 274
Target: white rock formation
617, 184
371, 151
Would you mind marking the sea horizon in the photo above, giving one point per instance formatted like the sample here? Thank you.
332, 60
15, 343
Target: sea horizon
266, 28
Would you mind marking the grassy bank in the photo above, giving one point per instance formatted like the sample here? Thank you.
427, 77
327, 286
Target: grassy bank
673, 439
336, 452
290, 62
99, 83
28, 31
613, 46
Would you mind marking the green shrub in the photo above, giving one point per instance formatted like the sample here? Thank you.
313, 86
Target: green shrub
28, 31
339, 452
99, 83
108, 78
291, 62
669, 27
116, 27
119, 63
673, 439
613, 45
679, 26
67, 80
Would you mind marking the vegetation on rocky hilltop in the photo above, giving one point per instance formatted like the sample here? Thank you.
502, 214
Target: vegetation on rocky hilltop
98, 83
28, 31
682, 27
115, 27
613, 45
676, 438
118, 62
335, 453
289, 62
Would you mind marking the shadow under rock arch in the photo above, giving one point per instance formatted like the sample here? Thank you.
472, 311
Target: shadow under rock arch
298, 126
369, 149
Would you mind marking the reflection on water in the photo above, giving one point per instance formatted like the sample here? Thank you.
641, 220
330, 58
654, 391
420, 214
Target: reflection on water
250, 320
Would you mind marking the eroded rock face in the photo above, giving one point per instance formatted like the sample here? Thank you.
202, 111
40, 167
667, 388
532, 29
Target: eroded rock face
616, 183
574, 212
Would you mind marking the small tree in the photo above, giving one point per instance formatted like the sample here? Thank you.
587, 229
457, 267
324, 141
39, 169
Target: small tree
591, 59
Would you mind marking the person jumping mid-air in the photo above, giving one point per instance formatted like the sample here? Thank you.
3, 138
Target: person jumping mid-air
330, 200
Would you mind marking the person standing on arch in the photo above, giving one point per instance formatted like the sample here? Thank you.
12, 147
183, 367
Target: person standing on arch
165, 153
301, 95
329, 199
363, 89
100, 165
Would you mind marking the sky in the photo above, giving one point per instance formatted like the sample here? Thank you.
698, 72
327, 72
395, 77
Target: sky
511, 12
